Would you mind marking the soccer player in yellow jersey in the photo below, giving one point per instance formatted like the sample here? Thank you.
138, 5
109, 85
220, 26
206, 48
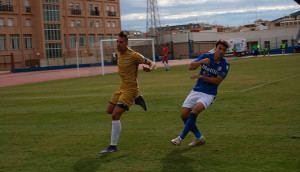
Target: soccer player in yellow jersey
128, 64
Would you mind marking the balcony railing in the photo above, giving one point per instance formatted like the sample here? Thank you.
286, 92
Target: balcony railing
111, 13
76, 12
6, 8
94, 13
28, 9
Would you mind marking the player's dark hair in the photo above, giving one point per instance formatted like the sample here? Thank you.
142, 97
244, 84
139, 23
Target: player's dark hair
123, 34
223, 42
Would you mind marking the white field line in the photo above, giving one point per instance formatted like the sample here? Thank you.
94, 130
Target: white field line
260, 85
178, 93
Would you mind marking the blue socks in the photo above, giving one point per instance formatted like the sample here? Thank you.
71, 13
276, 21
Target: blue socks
190, 125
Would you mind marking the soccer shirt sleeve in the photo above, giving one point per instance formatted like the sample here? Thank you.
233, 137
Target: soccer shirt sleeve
140, 59
203, 56
225, 68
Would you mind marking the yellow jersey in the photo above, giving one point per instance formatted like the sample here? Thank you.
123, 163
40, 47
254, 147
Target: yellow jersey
128, 65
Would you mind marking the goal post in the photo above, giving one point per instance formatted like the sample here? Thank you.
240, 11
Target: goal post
140, 45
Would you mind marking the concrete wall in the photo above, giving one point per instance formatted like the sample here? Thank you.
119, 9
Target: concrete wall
202, 42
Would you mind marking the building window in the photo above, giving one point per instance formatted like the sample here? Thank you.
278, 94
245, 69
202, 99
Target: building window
27, 7
91, 23
108, 24
53, 50
7, 7
71, 6
94, 12
82, 40
116, 36
91, 40
14, 42
78, 23
10, 22
110, 12
100, 37
76, 11
113, 24
27, 41
72, 23
27, 22
109, 43
52, 32
72, 41
1, 22
97, 24
51, 13
2, 42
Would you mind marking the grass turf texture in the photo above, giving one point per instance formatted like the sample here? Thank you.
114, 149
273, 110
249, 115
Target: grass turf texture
62, 125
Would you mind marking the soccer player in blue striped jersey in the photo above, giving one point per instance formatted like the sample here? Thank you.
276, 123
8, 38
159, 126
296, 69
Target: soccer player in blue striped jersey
214, 69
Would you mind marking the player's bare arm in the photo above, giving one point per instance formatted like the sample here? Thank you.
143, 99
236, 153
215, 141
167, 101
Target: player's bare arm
212, 80
151, 66
195, 65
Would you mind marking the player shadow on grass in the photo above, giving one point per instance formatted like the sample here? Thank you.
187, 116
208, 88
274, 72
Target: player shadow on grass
177, 161
92, 164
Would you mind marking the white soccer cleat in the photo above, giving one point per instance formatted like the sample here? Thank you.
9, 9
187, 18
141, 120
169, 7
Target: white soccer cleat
176, 141
196, 141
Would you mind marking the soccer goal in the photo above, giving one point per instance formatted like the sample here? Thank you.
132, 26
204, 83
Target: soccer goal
108, 49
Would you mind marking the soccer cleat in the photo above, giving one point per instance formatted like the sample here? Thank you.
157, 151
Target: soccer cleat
176, 141
140, 101
110, 149
197, 141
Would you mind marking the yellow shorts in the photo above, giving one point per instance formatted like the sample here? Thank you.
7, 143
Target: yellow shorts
124, 98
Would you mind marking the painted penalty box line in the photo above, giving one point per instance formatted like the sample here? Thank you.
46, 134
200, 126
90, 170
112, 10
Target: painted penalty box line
98, 95
260, 85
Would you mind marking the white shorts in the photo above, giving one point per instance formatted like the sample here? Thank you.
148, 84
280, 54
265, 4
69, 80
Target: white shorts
195, 97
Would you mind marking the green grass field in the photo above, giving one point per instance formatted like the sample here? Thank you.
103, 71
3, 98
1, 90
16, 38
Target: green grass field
253, 125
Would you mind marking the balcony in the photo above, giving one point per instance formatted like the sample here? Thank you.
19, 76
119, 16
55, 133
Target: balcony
6, 8
111, 13
76, 12
28, 9
94, 13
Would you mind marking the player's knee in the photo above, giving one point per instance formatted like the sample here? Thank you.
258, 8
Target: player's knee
109, 111
115, 116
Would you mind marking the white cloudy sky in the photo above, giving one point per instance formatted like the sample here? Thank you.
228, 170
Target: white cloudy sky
223, 12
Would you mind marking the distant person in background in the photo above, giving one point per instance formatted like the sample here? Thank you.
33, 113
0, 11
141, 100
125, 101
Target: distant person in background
283, 46
234, 50
214, 69
266, 51
166, 56
255, 50
128, 63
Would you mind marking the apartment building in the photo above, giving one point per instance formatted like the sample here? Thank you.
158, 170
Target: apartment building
50, 29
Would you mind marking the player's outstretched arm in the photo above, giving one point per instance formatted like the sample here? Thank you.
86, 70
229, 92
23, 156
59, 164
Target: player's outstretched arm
151, 66
214, 80
195, 65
